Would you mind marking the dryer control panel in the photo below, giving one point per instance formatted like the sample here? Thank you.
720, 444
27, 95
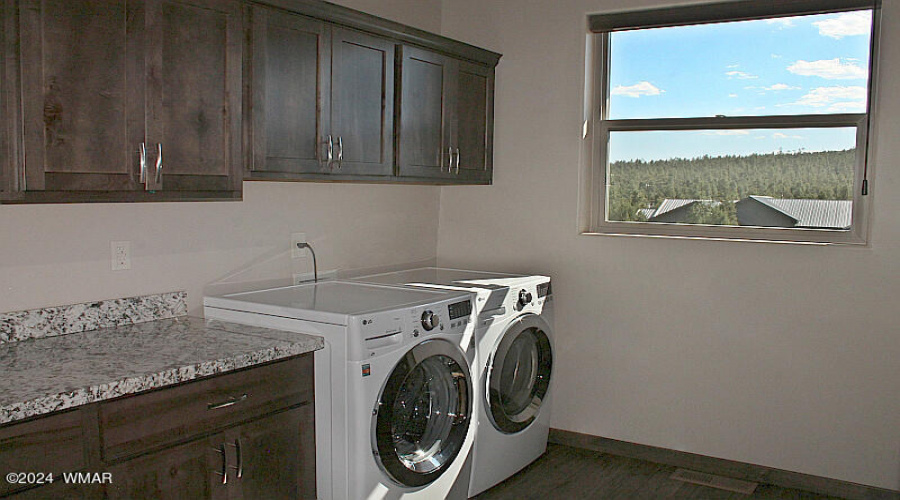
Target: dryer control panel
379, 333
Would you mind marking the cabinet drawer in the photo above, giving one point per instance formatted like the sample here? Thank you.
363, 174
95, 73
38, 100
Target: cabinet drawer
136, 424
52, 444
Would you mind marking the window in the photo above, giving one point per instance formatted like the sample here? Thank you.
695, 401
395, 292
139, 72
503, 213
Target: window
742, 120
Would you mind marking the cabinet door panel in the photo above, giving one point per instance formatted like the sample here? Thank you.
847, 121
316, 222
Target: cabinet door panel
7, 76
424, 115
186, 471
52, 444
291, 65
474, 121
77, 78
362, 89
194, 89
277, 455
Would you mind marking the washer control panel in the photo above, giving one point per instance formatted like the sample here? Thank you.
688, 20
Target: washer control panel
384, 331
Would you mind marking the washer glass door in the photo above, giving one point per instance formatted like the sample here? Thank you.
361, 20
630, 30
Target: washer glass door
518, 374
423, 413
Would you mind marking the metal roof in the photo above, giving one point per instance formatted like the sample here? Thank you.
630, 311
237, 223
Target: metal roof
832, 214
670, 204
646, 212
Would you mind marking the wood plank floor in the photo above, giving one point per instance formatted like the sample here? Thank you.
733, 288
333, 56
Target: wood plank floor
573, 473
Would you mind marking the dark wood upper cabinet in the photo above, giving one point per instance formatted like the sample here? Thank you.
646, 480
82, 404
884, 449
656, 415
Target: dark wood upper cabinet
109, 84
426, 115
194, 83
159, 100
362, 103
322, 99
446, 117
473, 124
78, 83
291, 68
8, 73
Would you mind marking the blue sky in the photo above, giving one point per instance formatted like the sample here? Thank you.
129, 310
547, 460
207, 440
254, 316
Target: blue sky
800, 65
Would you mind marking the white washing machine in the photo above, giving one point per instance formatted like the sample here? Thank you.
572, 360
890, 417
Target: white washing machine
394, 409
514, 347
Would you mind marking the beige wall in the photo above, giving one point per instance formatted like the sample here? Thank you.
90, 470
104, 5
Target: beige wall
781, 355
59, 254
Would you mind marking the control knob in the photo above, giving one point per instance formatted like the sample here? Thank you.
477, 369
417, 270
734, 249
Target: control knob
430, 320
524, 298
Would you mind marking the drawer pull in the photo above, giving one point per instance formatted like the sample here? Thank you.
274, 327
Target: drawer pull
229, 402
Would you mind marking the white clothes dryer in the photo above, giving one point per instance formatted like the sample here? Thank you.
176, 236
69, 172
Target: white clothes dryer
514, 348
394, 395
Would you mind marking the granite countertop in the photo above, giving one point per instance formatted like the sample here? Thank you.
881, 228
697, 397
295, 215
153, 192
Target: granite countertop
43, 375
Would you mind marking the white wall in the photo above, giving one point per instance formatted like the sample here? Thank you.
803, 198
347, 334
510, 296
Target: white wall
780, 355
59, 254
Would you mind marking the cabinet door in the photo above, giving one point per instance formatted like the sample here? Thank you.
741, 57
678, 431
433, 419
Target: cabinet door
191, 470
276, 456
474, 122
7, 77
82, 91
59, 489
425, 116
362, 103
291, 70
194, 77
53, 444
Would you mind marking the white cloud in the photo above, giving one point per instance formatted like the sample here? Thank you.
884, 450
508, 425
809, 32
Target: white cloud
637, 90
779, 135
847, 24
776, 56
740, 75
726, 132
848, 107
732, 95
838, 99
831, 69
780, 86
783, 22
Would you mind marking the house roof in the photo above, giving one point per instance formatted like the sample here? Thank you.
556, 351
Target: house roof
812, 213
646, 212
670, 204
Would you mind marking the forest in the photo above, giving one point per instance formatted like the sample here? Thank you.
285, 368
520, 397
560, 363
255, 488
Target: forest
637, 184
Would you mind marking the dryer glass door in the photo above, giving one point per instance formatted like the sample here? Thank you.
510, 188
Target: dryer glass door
518, 374
423, 413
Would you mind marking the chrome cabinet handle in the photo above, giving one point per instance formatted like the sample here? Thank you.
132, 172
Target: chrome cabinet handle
224, 473
159, 164
228, 402
449, 160
143, 153
240, 461
340, 153
457, 161
329, 150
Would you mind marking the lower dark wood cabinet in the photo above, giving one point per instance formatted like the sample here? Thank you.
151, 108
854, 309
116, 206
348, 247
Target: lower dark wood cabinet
258, 443
184, 471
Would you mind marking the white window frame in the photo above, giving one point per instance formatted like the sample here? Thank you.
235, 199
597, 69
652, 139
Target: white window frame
599, 126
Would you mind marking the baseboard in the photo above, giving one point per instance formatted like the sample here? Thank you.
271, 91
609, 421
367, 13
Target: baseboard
723, 467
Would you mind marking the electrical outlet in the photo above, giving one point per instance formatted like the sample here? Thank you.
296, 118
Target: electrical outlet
298, 253
120, 255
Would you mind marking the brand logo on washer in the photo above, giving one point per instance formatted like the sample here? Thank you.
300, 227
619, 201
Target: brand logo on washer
366, 370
